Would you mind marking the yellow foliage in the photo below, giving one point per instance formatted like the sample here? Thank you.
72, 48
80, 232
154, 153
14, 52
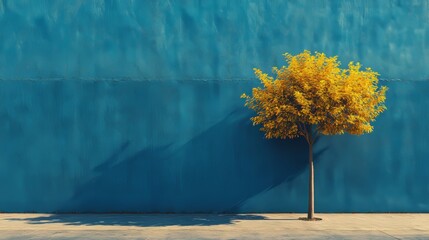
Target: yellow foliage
314, 92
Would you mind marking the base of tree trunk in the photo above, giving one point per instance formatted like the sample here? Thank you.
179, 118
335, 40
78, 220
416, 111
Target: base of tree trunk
309, 219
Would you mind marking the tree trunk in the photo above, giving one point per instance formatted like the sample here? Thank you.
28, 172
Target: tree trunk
310, 182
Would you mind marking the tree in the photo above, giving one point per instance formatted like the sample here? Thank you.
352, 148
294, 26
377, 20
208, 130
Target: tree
313, 96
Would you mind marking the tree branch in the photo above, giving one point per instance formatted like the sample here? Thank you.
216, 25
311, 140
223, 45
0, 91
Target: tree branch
309, 134
317, 136
306, 133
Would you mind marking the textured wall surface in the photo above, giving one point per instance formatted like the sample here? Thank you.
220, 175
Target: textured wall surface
133, 106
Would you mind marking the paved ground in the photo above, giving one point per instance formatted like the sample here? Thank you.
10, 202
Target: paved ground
243, 226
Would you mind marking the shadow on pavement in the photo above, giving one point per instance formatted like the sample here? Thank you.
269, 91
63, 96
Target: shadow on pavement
142, 220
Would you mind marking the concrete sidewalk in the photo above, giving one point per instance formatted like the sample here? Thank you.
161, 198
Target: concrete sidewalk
241, 226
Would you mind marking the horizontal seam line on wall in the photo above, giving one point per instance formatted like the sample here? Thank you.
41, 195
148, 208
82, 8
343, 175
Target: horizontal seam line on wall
171, 79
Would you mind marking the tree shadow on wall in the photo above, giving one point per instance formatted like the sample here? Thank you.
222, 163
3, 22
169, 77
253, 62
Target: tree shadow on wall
215, 172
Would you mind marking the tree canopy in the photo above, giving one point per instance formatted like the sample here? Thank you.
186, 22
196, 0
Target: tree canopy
312, 91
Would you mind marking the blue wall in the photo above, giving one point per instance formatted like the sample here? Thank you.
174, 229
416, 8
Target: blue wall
133, 106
